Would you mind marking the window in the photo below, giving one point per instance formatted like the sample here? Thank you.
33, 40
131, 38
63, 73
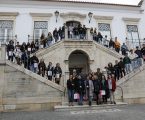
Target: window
39, 28
132, 36
6, 30
104, 28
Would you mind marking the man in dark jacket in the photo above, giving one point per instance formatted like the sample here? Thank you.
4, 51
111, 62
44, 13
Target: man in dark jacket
122, 67
70, 89
80, 89
41, 68
117, 70
50, 71
10, 50
57, 73
139, 58
55, 35
84, 32
34, 63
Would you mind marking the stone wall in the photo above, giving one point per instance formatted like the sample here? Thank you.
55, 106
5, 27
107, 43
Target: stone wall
21, 89
133, 86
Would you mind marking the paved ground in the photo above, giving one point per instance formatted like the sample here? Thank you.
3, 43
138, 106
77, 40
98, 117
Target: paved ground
129, 112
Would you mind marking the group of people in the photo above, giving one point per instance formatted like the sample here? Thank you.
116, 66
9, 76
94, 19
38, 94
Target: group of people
22, 55
128, 63
91, 87
77, 32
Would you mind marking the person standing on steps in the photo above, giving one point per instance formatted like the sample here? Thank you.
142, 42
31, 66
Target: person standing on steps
42, 68
55, 35
96, 83
80, 88
117, 45
117, 70
57, 73
127, 63
122, 68
139, 58
89, 89
99, 73
34, 63
50, 71
10, 50
112, 88
111, 44
103, 90
124, 49
143, 52
133, 57
71, 90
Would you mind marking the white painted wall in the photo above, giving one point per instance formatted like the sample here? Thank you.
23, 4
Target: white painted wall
24, 22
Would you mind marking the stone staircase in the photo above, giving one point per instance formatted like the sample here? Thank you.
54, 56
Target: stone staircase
23, 90
131, 87
87, 107
43, 51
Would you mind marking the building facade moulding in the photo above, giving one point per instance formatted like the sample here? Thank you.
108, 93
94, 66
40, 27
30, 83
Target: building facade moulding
131, 19
41, 14
72, 16
103, 17
8, 15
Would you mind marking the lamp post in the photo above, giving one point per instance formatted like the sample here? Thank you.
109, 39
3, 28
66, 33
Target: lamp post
28, 38
56, 15
90, 14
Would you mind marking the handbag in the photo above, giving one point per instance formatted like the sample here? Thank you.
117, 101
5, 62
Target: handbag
76, 96
102, 92
144, 57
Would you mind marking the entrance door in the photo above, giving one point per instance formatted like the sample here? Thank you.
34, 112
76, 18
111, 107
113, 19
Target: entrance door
78, 60
71, 25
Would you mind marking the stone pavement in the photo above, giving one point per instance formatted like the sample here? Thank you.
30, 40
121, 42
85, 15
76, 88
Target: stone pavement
128, 112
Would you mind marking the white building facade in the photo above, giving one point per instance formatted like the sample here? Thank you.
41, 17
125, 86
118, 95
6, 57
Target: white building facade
24, 20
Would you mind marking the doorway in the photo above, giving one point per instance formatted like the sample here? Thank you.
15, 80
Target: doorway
78, 61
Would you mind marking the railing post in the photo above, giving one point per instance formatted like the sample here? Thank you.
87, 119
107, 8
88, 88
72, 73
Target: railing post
88, 34
66, 33
3, 52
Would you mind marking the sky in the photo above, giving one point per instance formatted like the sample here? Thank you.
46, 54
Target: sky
127, 2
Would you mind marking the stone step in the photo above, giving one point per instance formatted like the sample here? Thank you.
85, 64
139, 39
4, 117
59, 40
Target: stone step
87, 107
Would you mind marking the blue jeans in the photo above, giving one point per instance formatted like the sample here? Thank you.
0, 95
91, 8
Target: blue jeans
139, 62
71, 95
33, 69
128, 68
80, 102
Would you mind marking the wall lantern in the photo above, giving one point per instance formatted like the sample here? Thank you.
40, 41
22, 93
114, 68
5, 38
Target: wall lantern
90, 16
56, 15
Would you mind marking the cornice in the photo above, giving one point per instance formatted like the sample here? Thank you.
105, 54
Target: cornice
9, 13
72, 14
41, 14
130, 19
103, 17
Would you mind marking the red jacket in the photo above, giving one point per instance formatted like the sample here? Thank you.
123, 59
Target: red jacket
113, 84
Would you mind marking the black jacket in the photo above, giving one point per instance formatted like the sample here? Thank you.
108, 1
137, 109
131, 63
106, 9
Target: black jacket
70, 84
96, 86
80, 86
34, 59
57, 70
